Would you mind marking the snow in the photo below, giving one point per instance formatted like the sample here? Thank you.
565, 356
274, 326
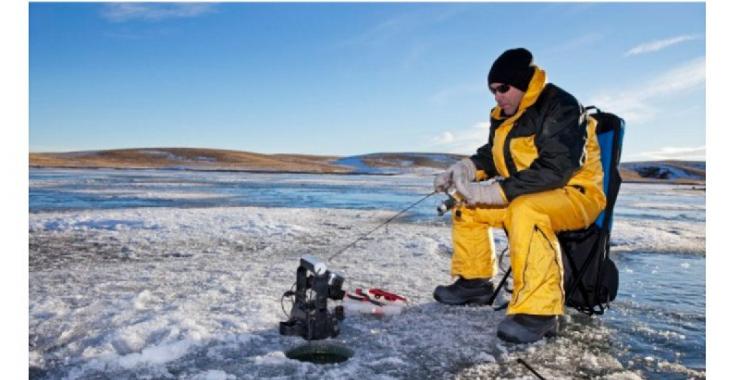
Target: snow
153, 309
214, 375
168, 292
648, 236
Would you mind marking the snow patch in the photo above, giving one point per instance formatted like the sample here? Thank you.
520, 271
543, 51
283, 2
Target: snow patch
157, 354
272, 358
214, 374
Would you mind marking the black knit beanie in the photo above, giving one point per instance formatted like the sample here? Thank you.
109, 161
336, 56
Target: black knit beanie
513, 67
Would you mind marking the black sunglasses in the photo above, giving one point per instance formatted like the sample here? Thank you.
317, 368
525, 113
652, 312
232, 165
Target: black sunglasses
502, 89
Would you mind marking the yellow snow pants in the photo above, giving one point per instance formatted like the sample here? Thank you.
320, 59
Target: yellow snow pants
531, 221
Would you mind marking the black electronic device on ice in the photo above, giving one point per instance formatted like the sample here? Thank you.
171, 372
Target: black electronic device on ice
310, 316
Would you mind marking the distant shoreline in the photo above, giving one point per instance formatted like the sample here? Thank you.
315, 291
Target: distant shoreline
647, 181
254, 171
384, 164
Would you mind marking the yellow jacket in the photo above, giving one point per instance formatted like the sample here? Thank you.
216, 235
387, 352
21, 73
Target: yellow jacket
549, 143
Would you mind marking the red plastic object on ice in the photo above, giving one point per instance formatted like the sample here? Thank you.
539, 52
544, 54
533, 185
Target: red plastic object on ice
378, 293
377, 302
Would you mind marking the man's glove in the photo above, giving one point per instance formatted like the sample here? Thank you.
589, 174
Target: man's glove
462, 171
483, 194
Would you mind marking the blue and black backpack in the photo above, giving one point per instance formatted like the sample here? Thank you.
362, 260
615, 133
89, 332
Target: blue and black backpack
591, 277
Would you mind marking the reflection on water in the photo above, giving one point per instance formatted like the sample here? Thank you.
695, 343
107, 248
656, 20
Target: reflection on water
660, 309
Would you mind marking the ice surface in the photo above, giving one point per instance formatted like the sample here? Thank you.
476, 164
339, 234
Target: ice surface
173, 292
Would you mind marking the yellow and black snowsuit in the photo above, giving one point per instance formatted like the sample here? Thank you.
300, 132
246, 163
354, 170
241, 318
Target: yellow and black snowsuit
549, 157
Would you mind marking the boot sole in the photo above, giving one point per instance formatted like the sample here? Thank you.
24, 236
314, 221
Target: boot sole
549, 334
475, 301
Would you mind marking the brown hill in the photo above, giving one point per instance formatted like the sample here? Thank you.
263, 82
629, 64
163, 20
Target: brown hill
187, 158
683, 172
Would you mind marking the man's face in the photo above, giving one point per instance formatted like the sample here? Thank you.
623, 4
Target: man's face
507, 97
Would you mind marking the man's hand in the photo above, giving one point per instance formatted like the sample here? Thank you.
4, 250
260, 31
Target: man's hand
483, 194
462, 171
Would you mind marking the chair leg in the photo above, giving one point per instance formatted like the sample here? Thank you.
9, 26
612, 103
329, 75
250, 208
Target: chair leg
498, 288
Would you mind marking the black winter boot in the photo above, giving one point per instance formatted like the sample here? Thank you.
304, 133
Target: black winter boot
465, 292
526, 328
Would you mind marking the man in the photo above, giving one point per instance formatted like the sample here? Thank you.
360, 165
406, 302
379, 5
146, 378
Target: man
544, 151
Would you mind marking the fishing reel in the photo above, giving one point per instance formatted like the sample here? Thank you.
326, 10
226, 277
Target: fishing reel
453, 198
310, 317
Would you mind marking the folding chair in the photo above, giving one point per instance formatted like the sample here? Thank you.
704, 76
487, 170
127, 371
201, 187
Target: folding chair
591, 278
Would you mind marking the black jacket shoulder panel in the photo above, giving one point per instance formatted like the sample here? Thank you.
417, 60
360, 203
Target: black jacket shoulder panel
561, 110
560, 140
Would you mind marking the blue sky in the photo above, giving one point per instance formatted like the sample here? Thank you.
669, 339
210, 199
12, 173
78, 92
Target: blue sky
344, 79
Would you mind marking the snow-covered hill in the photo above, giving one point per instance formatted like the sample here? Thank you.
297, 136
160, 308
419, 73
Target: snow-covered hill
669, 171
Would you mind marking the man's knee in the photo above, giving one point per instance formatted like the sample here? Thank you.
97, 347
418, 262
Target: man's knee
522, 208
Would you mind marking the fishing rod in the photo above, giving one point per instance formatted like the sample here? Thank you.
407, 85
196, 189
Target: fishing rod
380, 225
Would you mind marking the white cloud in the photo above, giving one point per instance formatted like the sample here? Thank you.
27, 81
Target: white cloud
654, 46
464, 141
445, 138
636, 104
698, 153
120, 12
